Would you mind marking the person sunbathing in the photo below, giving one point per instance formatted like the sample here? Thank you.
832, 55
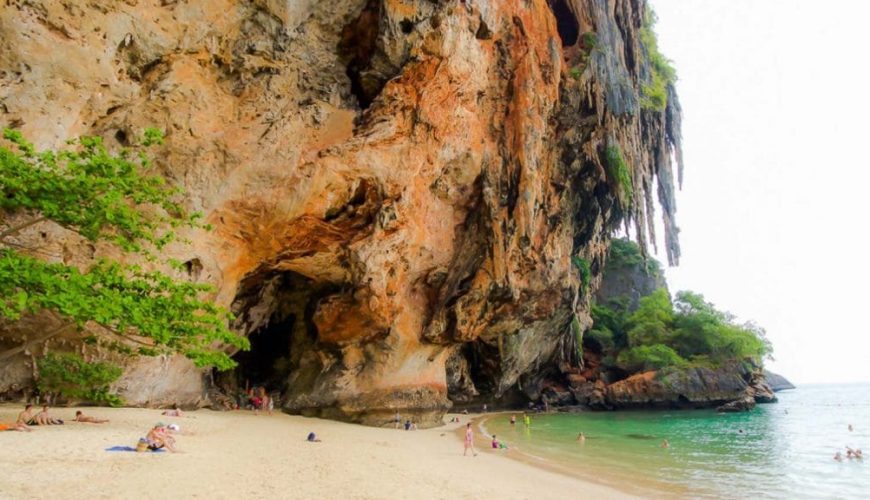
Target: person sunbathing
158, 437
43, 418
16, 426
174, 412
81, 417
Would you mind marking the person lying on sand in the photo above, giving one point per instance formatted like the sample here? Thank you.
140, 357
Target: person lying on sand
158, 437
26, 417
312, 438
173, 412
81, 417
43, 418
17, 426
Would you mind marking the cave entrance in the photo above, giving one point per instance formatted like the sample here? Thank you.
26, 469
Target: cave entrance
566, 22
273, 309
268, 363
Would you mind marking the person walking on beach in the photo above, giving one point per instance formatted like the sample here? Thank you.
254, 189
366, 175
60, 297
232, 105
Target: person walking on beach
397, 419
469, 440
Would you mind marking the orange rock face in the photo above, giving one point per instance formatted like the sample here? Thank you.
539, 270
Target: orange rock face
396, 186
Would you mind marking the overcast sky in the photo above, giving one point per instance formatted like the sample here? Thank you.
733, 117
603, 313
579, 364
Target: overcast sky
772, 212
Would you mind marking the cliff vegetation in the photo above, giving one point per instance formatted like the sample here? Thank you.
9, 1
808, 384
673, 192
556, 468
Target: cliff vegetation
661, 333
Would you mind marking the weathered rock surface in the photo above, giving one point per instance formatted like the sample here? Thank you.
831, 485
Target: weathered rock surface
697, 387
397, 186
630, 281
777, 382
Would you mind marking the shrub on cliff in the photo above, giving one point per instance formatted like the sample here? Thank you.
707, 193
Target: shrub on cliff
108, 198
619, 174
654, 93
649, 357
661, 333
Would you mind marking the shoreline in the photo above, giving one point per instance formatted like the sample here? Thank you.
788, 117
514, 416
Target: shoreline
639, 487
232, 454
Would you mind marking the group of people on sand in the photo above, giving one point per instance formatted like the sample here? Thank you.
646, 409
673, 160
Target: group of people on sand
409, 425
256, 399
159, 438
30, 417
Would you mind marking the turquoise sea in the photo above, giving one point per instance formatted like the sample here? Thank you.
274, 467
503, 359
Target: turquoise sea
781, 450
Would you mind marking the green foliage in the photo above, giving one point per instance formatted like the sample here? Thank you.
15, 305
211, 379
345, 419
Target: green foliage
105, 197
70, 376
654, 94
609, 325
585, 270
649, 357
626, 253
661, 333
619, 174
123, 299
588, 41
97, 194
652, 321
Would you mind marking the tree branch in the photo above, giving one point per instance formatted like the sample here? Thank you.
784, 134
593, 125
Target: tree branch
17, 229
27, 343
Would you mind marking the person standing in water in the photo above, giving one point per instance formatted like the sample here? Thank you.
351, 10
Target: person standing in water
527, 420
469, 440
665, 443
581, 438
513, 420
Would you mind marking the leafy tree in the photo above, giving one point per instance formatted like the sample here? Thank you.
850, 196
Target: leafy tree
106, 197
70, 376
689, 331
652, 322
649, 357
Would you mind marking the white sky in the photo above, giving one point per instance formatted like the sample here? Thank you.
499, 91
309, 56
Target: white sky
772, 212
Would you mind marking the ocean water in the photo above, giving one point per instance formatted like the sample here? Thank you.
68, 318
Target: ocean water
780, 450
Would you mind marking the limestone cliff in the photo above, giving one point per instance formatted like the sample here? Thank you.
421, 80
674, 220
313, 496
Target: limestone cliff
397, 187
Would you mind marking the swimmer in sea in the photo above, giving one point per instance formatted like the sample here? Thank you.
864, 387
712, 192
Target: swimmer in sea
581, 438
838, 457
665, 443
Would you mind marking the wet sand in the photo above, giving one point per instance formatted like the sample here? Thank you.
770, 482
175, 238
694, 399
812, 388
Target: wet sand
237, 454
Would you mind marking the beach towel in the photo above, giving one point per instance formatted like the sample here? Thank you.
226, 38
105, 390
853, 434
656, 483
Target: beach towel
129, 448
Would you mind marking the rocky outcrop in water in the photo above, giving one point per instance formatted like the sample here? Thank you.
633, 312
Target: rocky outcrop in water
397, 187
697, 387
777, 382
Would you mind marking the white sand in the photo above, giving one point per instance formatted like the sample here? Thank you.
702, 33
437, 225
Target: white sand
239, 455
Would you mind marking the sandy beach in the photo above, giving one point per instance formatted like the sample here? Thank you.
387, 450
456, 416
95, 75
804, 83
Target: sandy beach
237, 454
